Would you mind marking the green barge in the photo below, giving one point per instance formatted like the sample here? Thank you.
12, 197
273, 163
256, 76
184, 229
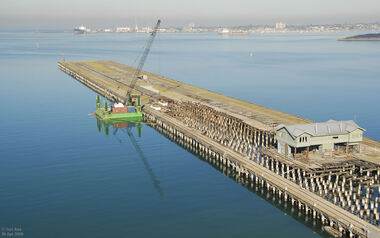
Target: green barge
118, 111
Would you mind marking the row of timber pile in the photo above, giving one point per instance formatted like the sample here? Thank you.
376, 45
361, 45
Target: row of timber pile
356, 190
225, 129
253, 180
353, 185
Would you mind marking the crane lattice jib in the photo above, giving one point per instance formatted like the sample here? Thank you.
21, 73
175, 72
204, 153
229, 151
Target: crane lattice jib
143, 57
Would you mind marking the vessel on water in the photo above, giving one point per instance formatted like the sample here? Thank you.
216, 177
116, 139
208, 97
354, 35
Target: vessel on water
80, 30
120, 111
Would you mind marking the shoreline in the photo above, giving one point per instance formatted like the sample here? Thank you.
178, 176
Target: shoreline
363, 37
360, 39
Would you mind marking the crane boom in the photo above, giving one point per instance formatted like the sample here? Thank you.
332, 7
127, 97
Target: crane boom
136, 75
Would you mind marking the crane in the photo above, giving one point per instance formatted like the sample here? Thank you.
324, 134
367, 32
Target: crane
136, 75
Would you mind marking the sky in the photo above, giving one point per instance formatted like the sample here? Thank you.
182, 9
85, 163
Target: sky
177, 13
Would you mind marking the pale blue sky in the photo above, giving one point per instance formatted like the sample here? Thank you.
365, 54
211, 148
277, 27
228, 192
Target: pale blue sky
102, 13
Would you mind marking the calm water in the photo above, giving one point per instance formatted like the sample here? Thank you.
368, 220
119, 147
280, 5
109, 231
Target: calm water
61, 177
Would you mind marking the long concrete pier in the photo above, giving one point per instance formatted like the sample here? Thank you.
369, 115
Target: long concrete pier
343, 193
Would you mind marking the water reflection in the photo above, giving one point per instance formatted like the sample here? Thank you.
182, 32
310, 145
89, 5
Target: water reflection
123, 129
261, 191
116, 125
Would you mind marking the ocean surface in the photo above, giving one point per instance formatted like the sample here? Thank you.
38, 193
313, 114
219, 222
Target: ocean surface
62, 177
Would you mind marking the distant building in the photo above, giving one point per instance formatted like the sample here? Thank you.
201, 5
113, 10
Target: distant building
107, 30
190, 28
146, 29
123, 29
280, 26
319, 137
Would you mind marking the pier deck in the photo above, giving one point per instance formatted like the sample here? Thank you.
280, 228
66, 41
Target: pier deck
115, 77
240, 134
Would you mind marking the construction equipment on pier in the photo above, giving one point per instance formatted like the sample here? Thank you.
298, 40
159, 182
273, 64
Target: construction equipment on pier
130, 108
137, 75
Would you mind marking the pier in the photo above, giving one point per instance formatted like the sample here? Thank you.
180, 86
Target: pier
342, 192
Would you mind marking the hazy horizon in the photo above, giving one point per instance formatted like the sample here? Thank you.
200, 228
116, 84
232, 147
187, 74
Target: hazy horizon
44, 14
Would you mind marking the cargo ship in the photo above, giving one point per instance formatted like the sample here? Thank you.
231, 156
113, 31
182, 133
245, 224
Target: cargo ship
119, 111
80, 30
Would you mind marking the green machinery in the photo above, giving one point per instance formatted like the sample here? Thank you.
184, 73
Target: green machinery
130, 112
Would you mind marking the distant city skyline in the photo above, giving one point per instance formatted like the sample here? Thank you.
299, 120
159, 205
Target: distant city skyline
105, 13
234, 30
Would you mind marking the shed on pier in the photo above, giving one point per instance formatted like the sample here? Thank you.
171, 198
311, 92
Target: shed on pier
319, 137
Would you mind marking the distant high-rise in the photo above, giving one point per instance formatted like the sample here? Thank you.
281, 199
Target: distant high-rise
189, 28
280, 25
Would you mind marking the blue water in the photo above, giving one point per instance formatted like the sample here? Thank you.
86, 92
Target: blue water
61, 177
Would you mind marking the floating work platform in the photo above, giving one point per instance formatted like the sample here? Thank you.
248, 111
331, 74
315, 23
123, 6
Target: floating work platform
241, 136
102, 114
118, 111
